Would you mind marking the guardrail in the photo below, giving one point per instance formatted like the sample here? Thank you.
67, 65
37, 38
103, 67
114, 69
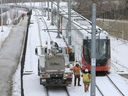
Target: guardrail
23, 56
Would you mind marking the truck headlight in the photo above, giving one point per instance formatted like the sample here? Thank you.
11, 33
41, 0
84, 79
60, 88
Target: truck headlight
46, 75
67, 75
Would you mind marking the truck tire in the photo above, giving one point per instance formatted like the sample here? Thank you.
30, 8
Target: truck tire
38, 69
40, 81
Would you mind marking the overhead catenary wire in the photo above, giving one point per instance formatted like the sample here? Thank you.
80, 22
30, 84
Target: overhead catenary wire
72, 21
39, 32
47, 29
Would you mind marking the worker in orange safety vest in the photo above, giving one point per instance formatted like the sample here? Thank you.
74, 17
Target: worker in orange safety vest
76, 70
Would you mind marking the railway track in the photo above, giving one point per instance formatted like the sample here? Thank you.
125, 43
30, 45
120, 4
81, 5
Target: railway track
106, 83
42, 20
57, 91
101, 93
118, 89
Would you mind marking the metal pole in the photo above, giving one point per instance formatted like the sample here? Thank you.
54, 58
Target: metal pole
69, 22
58, 21
1, 17
45, 8
30, 4
22, 3
48, 10
93, 51
52, 12
39, 31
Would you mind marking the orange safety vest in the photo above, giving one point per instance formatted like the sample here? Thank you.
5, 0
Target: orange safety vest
69, 50
76, 70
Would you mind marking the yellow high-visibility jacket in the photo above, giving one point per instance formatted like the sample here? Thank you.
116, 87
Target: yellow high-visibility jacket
86, 77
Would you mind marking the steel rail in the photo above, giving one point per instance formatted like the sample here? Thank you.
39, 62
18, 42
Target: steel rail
67, 91
99, 90
47, 90
115, 85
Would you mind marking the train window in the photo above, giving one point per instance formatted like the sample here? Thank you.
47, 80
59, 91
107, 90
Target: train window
102, 49
87, 50
108, 48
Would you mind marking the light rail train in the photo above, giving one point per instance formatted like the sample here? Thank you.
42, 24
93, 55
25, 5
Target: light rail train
81, 42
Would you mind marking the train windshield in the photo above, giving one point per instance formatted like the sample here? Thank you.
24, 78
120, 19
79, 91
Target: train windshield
102, 49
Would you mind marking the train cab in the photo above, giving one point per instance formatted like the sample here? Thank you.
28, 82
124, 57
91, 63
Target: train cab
102, 55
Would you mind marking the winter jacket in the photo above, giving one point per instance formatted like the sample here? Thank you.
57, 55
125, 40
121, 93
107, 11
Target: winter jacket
76, 70
86, 77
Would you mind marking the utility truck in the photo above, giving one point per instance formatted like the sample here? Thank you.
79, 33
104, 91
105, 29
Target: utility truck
53, 66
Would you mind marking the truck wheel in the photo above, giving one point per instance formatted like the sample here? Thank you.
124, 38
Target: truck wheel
40, 81
38, 69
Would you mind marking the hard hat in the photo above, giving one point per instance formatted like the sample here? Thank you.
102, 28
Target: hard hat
86, 70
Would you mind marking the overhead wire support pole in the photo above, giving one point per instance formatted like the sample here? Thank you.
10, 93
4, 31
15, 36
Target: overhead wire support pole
52, 12
2, 17
45, 4
30, 4
93, 52
39, 31
48, 9
58, 21
69, 22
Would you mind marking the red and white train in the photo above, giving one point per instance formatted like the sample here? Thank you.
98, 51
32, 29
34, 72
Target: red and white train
81, 42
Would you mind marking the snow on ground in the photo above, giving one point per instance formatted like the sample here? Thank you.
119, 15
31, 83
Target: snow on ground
16, 82
4, 34
120, 83
78, 90
119, 51
106, 87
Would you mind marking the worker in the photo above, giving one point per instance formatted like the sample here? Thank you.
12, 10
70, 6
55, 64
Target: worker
76, 70
86, 79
